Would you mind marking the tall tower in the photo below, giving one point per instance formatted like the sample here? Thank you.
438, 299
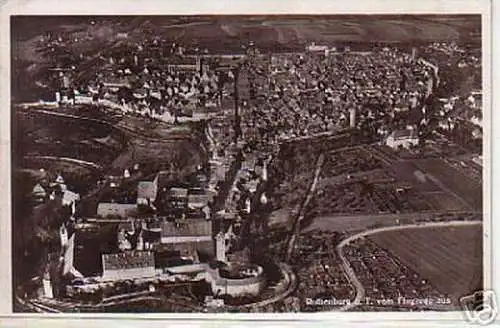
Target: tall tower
48, 291
220, 247
68, 246
352, 117
61, 183
199, 64
413, 53
264, 171
237, 119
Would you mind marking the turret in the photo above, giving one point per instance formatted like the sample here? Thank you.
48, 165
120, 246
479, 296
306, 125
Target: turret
48, 291
220, 247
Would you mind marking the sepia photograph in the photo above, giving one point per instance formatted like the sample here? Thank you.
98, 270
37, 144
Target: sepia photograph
247, 163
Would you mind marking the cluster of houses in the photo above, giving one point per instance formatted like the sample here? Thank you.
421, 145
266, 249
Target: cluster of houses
464, 112
160, 196
141, 80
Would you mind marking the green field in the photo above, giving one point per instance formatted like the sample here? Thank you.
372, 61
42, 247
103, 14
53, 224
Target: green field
449, 257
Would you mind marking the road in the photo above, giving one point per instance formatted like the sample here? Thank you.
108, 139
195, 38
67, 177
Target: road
301, 215
86, 164
365, 221
123, 129
349, 271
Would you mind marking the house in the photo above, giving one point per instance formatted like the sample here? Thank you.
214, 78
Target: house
478, 160
70, 197
38, 192
317, 48
128, 265
123, 211
146, 192
197, 198
178, 197
113, 84
59, 181
186, 231
477, 133
476, 120
405, 138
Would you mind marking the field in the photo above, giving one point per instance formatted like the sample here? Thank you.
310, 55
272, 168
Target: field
365, 198
51, 136
265, 30
466, 188
450, 258
407, 171
348, 161
444, 201
139, 141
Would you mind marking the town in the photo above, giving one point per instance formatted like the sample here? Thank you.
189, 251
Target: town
162, 174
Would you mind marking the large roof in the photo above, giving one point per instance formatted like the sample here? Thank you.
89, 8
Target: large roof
178, 192
128, 260
197, 200
404, 134
70, 197
195, 227
122, 210
146, 189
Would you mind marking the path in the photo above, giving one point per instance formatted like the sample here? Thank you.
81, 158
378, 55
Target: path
349, 222
301, 215
79, 162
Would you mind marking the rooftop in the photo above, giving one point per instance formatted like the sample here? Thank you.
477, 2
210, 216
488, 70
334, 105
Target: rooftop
187, 228
128, 260
147, 190
404, 134
116, 209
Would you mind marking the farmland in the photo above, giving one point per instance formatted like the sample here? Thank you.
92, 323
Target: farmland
348, 161
114, 142
372, 179
50, 136
450, 258
466, 188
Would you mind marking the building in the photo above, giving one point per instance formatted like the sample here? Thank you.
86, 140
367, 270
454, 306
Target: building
128, 265
48, 289
313, 47
236, 279
68, 247
402, 138
478, 160
188, 239
197, 198
146, 193
352, 117
70, 198
123, 211
220, 247
178, 197
186, 231
39, 192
